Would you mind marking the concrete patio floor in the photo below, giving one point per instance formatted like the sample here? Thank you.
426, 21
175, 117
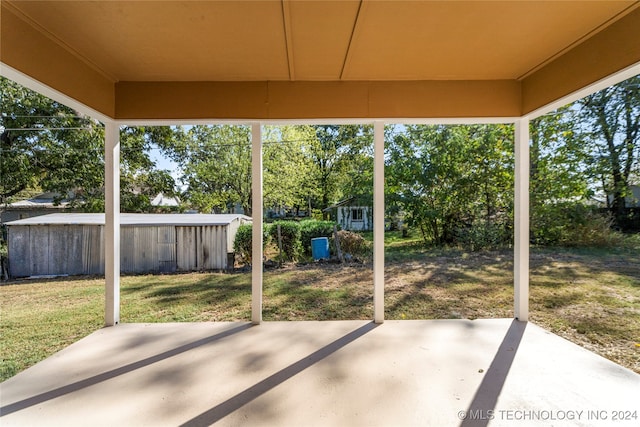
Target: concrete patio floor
342, 373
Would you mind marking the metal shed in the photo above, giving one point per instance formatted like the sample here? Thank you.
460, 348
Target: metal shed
73, 243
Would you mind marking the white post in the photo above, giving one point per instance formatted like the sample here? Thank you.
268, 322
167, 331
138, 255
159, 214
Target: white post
112, 223
256, 213
378, 222
521, 219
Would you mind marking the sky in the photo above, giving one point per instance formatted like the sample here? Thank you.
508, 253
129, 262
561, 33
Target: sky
165, 163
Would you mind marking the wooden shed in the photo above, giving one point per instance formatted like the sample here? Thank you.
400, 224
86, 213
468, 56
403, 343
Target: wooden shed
353, 214
73, 243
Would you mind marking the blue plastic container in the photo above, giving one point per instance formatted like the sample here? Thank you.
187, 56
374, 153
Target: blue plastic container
320, 248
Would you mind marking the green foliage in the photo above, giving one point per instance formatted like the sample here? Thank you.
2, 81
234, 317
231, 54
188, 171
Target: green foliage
49, 146
287, 167
613, 118
242, 244
312, 229
342, 162
290, 233
573, 225
317, 214
140, 181
558, 155
484, 235
216, 162
454, 184
448, 178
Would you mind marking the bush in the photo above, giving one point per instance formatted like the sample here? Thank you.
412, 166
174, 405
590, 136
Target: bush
290, 232
243, 241
354, 244
572, 225
312, 229
594, 231
484, 235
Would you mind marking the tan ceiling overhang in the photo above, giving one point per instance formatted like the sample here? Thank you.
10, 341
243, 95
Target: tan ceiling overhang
276, 59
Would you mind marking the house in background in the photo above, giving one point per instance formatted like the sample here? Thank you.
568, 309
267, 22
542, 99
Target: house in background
42, 204
353, 214
162, 201
632, 200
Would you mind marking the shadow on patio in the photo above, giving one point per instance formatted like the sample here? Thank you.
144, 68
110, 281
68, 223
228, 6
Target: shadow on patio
438, 372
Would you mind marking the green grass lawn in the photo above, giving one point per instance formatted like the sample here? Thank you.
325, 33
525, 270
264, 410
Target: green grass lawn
591, 297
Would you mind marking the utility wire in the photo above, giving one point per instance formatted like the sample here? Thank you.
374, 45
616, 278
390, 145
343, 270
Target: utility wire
44, 129
11, 116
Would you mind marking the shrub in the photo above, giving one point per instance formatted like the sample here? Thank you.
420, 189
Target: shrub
290, 232
484, 235
572, 224
312, 229
243, 241
354, 244
594, 230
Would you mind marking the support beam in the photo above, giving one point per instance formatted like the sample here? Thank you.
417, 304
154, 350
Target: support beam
378, 222
256, 213
112, 223
521, 219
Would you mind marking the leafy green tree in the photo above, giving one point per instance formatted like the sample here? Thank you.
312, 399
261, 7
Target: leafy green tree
46, 145
560, 182
140, 180
287, 166
448, 178
298, 165
559, 155
612, 116
342, 161
216, 166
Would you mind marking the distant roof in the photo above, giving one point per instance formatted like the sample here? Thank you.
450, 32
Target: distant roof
351, 201
162, 200
43, 200
131, 219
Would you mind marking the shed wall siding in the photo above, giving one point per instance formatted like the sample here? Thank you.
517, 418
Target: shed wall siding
47, 250
201, 248
93, 249
39, 243
19, 246
79, 249
147, 249
65, 249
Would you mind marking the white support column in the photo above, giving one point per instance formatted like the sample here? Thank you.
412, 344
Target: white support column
256, 213
378, 222
521, 219
112, 223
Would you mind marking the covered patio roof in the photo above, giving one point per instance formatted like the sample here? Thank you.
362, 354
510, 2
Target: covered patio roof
287, 59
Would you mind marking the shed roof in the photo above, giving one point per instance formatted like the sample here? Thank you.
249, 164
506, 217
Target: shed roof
131, 219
